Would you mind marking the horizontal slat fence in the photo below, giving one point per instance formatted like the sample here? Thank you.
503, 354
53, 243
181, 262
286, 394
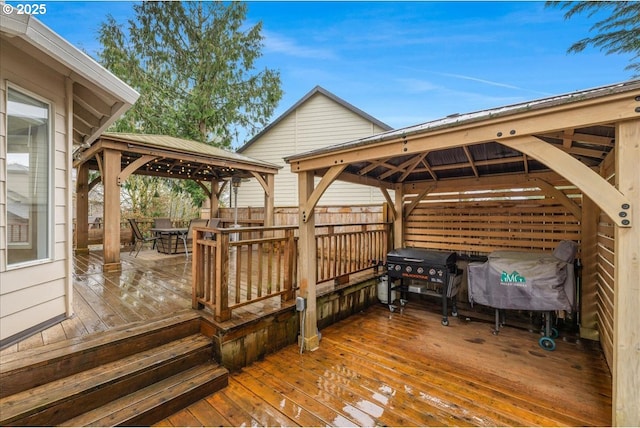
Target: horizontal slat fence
605, 274
288, 216
480, 222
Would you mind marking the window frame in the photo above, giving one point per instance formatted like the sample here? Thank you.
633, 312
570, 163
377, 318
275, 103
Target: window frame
50, 216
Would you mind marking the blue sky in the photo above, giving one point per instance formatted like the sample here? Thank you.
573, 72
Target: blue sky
403, 62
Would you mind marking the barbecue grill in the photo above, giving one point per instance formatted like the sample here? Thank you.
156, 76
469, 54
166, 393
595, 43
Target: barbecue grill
424, 272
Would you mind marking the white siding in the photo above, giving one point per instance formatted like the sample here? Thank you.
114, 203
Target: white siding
35, 294
316, 123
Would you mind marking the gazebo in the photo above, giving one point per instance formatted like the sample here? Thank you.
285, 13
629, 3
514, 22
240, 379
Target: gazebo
521, 177
118, 155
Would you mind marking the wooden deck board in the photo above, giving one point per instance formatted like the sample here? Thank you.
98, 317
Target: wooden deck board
374, 368
405, 369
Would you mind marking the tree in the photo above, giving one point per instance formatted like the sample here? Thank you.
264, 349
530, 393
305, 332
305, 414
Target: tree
619, 32
194, 66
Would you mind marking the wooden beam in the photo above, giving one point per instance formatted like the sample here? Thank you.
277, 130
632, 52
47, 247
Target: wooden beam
328, 178
133, 166
626, 314
409, 208
410, 169
615, 204
390, 204
470, 158
594, 111
556, 194
504, 181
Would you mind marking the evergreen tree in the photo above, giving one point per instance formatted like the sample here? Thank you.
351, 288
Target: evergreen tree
618, 33
194, 66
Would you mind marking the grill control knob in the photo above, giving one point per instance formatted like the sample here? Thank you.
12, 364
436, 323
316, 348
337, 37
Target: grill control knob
420, 270
409, 269
432, 271
439, 273
397, 267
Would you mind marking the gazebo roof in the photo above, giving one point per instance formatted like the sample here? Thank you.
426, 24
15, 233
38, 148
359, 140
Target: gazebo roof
172, 157
419, 154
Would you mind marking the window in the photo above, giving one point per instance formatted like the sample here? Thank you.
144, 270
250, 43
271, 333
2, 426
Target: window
28, 178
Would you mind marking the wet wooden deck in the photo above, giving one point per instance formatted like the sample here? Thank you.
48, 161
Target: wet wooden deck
405, 369
374, 368
148, 287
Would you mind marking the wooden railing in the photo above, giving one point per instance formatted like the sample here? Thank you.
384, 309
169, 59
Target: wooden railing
230, 272
343, 249
234, 267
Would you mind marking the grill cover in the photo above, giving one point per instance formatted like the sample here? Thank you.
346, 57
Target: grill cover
527, 281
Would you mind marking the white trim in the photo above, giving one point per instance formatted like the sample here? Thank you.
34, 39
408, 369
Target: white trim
42, 37
50, 177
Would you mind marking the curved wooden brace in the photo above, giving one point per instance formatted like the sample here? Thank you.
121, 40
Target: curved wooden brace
612, 202
559, 196
100, 164
204, 187
224, 184
125, 173
262, 182
328, 178
94, 182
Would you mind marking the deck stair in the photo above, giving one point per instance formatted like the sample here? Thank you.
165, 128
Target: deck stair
136, 375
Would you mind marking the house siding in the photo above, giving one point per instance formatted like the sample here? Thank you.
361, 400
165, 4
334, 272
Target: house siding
316, 123
34, 294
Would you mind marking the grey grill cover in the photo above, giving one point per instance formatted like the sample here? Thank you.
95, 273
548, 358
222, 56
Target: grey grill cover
529, 281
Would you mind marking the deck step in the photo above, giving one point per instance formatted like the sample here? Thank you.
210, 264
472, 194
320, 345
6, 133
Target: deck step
25, 370
62, 399
133, 375
160, 400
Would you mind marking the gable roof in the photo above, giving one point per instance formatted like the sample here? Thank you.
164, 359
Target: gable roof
314, 91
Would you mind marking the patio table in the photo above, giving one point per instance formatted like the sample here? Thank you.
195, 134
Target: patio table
169, 241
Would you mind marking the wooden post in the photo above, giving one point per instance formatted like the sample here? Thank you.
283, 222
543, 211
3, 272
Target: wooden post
308, 261
82, 210
111, 239
197, 271
289, 260
398, 223
626, 314
214, 199
222, 312
269, 201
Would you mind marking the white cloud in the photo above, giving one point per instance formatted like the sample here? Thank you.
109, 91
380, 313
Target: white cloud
274, 42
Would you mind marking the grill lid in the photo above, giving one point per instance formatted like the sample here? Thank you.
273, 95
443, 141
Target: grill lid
421, 256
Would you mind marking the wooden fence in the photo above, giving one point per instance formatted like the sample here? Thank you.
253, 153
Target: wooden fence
232, 267
483, 221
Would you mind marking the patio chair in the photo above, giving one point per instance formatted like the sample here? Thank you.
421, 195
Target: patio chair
213, 223
187, 237
139, 238
162, 223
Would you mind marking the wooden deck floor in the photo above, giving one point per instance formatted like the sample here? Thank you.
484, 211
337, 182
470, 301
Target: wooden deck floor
148, 286
405, 369
374, 368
